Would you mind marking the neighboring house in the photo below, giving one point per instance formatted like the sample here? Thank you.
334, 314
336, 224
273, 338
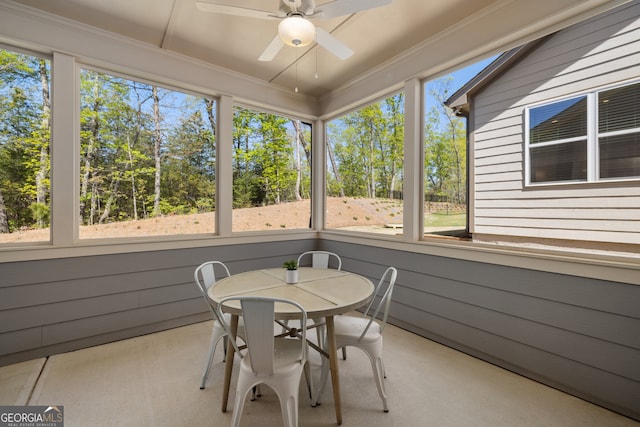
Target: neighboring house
554, 138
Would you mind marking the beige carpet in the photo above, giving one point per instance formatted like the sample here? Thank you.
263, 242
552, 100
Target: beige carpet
154, 381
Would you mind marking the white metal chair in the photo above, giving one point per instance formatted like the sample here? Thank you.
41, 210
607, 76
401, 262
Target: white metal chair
205, 278
321, 259
366, 333
275, 361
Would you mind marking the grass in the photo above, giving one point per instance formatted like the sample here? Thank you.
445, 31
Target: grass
444, 220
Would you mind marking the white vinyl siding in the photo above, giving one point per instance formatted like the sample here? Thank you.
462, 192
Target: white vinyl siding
600, 53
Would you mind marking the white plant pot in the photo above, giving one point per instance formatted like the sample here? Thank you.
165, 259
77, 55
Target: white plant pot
292, 276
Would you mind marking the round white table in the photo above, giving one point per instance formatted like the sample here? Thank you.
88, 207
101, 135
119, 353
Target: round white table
322, 292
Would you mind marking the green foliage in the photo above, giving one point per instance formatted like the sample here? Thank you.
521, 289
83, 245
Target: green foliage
148, 151
131, 133
291, 264
445, 147
40, 213
24, 140
368, 149
268, 160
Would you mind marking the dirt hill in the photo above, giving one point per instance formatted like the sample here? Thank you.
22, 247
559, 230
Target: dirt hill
341, 212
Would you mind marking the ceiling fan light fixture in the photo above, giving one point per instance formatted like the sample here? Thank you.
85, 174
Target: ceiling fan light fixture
296, 31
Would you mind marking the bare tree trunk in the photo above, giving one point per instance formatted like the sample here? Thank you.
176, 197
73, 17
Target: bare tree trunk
94, 125
296, 126
41, 176
209, 104
94, 202
4, 222
372, 182
112, 196
334, 167
156, 151
302, 140
133, 182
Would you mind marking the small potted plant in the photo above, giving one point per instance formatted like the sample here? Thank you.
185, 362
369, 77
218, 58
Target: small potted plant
292, 270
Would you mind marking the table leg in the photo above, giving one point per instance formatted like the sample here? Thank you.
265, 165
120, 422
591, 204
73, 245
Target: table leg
333, 364
228, 369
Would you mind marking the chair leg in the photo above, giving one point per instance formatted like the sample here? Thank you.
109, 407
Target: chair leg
255, 392
378, 372
238, 405
344, 353
320, 330
324, 375
289, 406
225, 342
215, 337
309, 381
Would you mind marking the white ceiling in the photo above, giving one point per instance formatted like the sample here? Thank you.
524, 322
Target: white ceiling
378, 36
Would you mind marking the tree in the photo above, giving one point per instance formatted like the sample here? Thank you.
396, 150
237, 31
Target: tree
365, 151
157, 146
189, 166
445, 146
24, 141
300, 141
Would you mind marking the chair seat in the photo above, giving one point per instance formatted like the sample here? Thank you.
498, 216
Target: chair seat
349, 329
287, 355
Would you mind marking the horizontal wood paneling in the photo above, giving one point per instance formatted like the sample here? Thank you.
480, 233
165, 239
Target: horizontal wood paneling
62, 304
631, 226
579, 335
573, 213
619, 196
499, 177
498, 168
589, 55
578, 235
499, 159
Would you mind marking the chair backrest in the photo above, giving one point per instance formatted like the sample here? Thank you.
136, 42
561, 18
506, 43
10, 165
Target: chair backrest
258, 315
205, 278
388, 278
320, 259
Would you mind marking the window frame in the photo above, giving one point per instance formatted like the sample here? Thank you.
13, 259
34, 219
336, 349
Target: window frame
392, 92
236, 105
81, 66
49, 57
592, 138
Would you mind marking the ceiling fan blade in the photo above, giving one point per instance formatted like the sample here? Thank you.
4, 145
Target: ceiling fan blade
272, 50
233, 10
332, 44
346, 7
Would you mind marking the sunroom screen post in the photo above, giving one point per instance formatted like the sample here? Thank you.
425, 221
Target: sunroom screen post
412, 222
65, 150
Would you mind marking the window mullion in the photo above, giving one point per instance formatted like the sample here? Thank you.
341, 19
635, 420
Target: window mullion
592, 138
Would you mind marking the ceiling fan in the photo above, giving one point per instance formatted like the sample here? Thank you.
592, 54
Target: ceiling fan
295, 29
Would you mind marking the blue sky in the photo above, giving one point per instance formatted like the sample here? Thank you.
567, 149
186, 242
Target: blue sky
460, 77
463, 75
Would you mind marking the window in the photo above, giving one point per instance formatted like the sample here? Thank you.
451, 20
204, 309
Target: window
271, 172
25, 126
147, 160
445, 157
588, 138
365, 168
619, 132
